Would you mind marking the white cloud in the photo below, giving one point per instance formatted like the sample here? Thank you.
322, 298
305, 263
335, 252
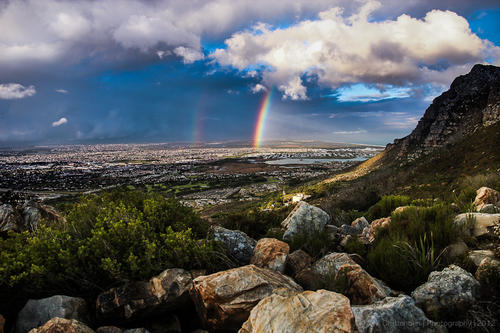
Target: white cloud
339, 50
189, 55
16, 91
258, 88
59, 122
62, 91
360, 131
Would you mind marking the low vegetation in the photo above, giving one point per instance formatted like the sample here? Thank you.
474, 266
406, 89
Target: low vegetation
108, 239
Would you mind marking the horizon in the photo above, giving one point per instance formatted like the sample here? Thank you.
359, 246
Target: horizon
135, 71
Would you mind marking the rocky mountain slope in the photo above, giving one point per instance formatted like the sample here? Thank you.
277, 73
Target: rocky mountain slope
471, 103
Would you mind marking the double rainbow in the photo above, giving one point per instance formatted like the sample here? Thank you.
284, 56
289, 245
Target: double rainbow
261, 119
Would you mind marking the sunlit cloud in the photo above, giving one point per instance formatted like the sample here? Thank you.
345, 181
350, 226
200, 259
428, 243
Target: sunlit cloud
59, 122
16, 91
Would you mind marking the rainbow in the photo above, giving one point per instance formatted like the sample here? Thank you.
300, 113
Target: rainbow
261, 119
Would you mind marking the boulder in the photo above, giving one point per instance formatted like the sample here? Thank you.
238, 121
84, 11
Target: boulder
304, 219
477, 224
59, 325
136, 330
374, 226
109, 329
238, 245
297, 261
400, 209
37, 312
2, 323
360, 223
270, 253
168, 290
393, 315
224, 300
9, 218
31, 216
350, 230
489, 209
456, 250
339, 272
477, 256
486, 195
319, 311
447, 294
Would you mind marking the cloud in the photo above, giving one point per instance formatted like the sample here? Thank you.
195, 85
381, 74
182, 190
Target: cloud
16, 91
360, 131
59, 122
189, 55
258, 88
62, 91
340, 50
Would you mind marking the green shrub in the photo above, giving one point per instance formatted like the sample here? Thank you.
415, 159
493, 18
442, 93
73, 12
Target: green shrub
354, 245
108, 239
254, 222
386, 205
316, 244
464, 199
407, 249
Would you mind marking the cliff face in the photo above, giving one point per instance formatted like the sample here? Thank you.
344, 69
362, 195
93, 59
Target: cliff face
472, 102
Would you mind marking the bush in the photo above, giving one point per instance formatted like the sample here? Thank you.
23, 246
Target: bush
316, 244
254, 222
409, 248
108, 239
386, 205
354, 245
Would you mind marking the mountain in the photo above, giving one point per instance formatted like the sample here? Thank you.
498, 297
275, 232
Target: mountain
471, 105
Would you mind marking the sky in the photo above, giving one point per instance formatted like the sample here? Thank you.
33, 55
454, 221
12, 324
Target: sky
108, 71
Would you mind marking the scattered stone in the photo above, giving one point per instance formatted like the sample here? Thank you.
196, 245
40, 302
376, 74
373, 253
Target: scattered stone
360, 223
477, 256
486, 195
238, 245
224, 300
489, 209
109, 329
339, 272
304, 219
297, 261
60, 325
168, 290
37, 312
393, 315
456, 250
9, 218
319, 311
270, 253
447, 294
477, 224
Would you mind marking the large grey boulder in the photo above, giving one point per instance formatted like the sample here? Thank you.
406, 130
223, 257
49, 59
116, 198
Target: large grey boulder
166, 291
477, 224
393, 315
9, 218
304, 219
447, 294
238, 245
37, 312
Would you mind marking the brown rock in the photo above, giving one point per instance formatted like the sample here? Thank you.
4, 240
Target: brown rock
270, 253
61, 325
168, 290
2, 323
338, 272
375, 225
224, 300
297, 261
310, 311
486, 195
308, 279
